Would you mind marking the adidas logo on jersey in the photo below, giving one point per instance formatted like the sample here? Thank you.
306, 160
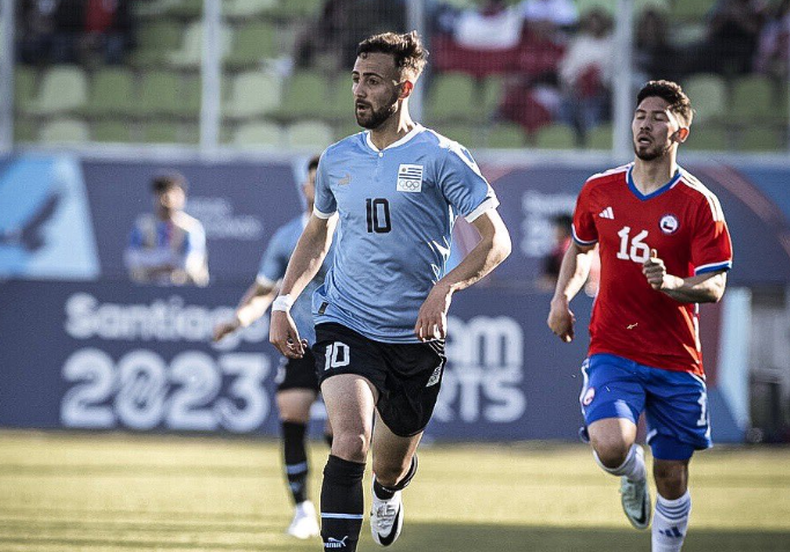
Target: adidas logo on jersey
607, 213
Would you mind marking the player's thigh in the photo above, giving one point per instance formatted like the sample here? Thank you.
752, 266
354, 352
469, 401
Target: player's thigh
297, 388
294, 404
350, 401
678, 421
612, 388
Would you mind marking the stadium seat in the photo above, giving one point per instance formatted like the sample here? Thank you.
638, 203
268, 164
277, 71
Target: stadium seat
185, 9
310, 133
341, 100
252, 94
292, 9
465, 134
24, 87
258, 134
245, 9
493, 93
154, 40
708, 137
452, 97
690, 10
190, 53
304, 96
63, 131
506, 135
753, 97
600, 138
708, 93
111, 93
556, 136
64, 88
166, 93
761, 138
162, 133
112, 131
24, 130
251, 44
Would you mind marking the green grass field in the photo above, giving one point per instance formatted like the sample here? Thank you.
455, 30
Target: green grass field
107, 492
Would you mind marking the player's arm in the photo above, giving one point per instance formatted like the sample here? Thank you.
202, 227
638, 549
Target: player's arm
305, 263
252, 306
574, 270
702, 288
493, 248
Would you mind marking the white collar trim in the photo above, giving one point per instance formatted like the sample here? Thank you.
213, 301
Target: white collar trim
418, 128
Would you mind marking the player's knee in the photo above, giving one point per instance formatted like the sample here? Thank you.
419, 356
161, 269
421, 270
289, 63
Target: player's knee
611, 453
389, 474
351, 446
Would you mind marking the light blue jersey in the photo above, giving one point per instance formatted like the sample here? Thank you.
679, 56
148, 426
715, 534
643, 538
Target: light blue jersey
397, 209
273, 265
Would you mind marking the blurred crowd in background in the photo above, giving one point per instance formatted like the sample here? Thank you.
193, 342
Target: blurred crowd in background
521, 68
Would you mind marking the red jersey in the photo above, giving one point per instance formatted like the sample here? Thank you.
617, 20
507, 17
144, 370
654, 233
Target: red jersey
684, 222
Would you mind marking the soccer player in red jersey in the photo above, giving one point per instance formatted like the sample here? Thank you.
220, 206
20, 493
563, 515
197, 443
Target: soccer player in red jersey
664, 248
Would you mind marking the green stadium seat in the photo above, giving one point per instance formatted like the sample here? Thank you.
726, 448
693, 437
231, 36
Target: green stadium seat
304, 96
556, 136
246, 9
293, 9
315, 134
708, 94
493, 92
24, 88
340, 104
467, 135
168, 94
64, 88
506, 135
154, 40
161, 133
708, 137
185, 9
258, 134
251, 44
112, 131
600, 138
64, 131
24, 130
190, 53
690, 10
111, 93
753, 97
758, 138
452, 96
252, 94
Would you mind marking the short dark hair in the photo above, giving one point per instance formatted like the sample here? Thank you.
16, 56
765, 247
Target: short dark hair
167, 181
407, 49
672, 93
313, 163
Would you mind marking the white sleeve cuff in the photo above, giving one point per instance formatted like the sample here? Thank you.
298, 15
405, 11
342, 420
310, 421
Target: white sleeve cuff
322, 215
488, 204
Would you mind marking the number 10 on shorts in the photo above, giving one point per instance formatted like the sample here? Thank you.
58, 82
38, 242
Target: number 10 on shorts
337, 355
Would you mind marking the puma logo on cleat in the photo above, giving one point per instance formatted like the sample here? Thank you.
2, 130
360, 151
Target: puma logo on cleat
335, 543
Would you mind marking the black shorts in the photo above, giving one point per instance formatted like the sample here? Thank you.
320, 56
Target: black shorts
407, 375
297, 373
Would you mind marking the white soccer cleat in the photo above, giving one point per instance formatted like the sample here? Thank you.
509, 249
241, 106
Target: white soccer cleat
386, 519
304, 524
635, 496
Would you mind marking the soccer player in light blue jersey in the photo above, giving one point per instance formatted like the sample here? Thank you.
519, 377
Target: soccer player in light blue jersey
297, 381
381, 315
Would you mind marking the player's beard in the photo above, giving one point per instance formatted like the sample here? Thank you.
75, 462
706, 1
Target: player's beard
376, 117
653, 152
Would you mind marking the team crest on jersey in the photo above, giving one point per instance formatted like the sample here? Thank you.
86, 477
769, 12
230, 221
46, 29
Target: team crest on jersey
669, 224
589, 395
409, 178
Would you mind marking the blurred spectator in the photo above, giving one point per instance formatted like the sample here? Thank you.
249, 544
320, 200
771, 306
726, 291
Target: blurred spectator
70, 31
168, 247
586, 73
341, 25
733, 29
492, 26
560, 13
654, 56
552, 262
774, 43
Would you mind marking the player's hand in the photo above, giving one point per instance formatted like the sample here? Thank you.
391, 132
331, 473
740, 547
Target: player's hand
432, 318
655, 271
225, 328
561, 319
284, 335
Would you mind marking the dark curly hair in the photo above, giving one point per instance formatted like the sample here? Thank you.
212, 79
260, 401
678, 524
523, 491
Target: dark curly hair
407, 49
672, 93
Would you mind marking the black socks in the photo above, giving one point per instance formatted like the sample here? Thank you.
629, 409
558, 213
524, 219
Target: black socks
342, 504
295, 454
